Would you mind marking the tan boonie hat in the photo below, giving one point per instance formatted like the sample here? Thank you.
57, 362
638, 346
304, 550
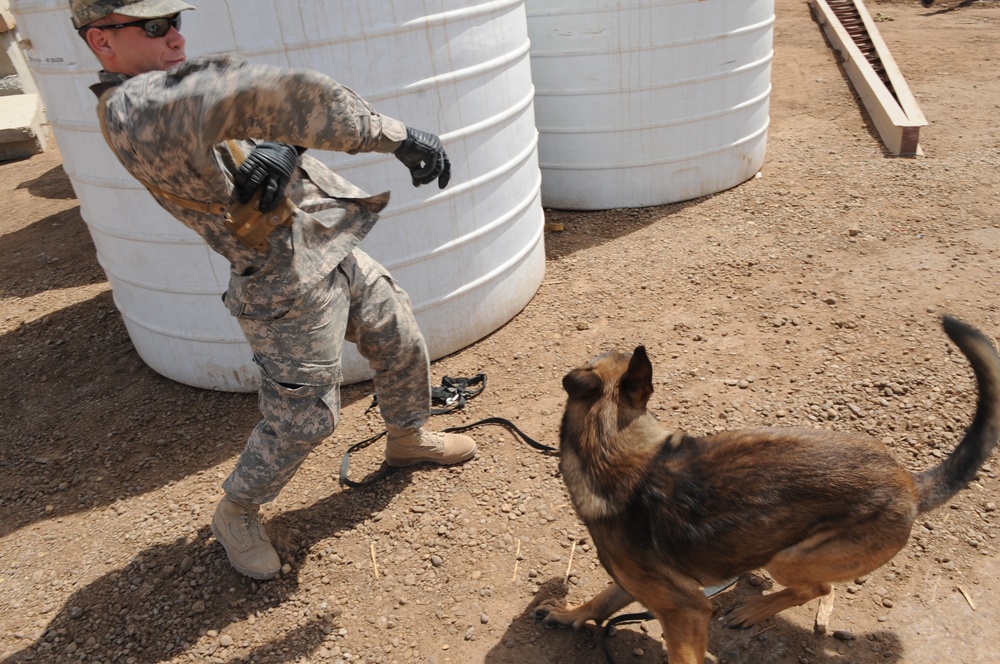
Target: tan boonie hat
88, 11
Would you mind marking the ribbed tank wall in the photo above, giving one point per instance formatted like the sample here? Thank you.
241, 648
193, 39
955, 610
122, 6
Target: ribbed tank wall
645, 103
470, 256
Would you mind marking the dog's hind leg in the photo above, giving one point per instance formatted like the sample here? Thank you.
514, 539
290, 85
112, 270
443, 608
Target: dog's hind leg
557, 613
756, 609
808, 568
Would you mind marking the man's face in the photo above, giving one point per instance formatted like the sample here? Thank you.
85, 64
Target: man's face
131, 51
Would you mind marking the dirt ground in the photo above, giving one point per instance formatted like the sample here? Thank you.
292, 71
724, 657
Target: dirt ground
809, 295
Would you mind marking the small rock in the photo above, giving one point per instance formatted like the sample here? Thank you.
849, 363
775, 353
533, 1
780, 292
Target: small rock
843, 635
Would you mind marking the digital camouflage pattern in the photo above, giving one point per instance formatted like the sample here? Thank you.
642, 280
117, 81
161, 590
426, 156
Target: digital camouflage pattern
314, 288
300, 398
166, 128
88, 11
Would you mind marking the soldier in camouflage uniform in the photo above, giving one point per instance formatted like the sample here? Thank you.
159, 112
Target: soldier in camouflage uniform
171, 121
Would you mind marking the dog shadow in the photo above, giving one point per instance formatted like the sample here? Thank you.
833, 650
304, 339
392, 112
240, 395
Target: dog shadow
776, 640
189, 585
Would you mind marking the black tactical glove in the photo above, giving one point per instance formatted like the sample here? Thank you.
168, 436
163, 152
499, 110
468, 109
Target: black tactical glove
422, 153
269, 167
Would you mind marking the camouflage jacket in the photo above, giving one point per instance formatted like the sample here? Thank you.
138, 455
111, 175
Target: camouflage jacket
168, 128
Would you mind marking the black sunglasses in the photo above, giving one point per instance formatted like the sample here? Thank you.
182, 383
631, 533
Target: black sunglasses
154, 27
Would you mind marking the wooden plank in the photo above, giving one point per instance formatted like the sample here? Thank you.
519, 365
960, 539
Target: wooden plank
21, 130
7, 21
898, 131
10, 45
903, 94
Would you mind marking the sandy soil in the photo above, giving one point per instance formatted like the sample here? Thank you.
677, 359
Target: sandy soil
809, 295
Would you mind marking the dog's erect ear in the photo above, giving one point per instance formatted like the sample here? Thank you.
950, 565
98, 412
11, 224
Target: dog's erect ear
637, 382
582, 384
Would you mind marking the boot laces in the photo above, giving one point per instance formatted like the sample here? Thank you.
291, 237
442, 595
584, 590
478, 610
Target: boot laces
251, 523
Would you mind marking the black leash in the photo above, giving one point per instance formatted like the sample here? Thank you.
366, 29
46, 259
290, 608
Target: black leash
451, 395
710, 591
618, 620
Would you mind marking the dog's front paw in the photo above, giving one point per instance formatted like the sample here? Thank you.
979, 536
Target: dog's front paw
555, 612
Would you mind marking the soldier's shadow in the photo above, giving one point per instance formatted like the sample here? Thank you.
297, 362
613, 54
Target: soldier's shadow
776, 641
170, 595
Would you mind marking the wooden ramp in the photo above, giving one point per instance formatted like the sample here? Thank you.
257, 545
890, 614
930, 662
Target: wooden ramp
22, 115
876, 78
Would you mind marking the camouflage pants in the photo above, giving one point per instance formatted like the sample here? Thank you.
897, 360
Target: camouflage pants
297, 349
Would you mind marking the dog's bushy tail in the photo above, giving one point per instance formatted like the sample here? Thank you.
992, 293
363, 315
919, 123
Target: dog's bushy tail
937, 485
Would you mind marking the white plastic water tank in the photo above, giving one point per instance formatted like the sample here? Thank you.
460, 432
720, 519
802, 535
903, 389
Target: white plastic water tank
648, 102
471, 256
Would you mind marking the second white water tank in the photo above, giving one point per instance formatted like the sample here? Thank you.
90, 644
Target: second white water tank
471, 256
648, 102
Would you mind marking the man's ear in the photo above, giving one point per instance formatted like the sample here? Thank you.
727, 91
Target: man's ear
98, 42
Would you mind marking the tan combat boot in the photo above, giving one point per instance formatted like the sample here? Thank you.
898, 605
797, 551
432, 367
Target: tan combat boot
406, 447
239, 530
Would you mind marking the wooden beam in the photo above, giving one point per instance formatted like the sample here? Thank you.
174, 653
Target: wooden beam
897, 119
7, 21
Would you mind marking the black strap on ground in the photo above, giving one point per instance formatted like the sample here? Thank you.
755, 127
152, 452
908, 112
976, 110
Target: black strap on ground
506, 424
450, 396
618, 620
385, 471
453, 392
710, 591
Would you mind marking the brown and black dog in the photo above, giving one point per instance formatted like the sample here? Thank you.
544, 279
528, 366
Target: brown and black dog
671, 513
